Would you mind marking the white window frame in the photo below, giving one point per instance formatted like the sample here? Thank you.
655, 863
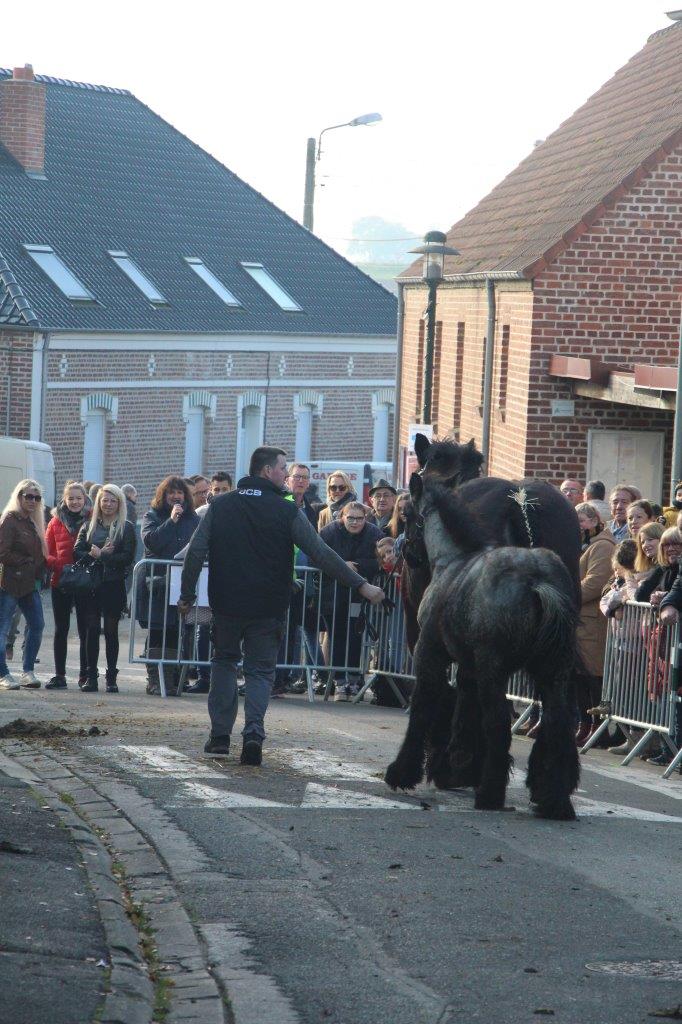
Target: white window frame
209, 278
307, 404
96, 412
252, 404
271, 286
143, 283
54, 267
197, 408
383, 401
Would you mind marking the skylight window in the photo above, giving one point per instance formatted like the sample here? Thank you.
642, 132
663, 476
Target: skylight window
59, 273
202, 271
140, 280
271, 287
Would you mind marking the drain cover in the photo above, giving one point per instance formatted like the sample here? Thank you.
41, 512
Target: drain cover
665, 970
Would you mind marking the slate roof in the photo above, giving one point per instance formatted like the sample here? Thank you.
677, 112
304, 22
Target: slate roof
119, 177
586, 165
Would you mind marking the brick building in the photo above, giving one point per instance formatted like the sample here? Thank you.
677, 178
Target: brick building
576, 255
157, 314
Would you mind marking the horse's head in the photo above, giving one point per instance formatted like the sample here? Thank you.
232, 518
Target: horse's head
448, 461
433, 500
414, 548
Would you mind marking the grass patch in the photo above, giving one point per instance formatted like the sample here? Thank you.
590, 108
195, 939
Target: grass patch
66, 798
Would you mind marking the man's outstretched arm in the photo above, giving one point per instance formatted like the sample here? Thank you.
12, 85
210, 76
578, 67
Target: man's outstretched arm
321, 555
197, 552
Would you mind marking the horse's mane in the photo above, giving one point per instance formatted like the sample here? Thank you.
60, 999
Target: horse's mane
464, 527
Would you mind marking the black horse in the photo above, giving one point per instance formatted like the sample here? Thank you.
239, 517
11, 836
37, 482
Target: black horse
526, 513
494, 611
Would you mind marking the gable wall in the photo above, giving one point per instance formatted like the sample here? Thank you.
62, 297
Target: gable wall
613, 295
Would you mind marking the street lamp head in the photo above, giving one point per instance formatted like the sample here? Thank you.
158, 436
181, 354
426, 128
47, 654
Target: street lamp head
434, 250
365, 119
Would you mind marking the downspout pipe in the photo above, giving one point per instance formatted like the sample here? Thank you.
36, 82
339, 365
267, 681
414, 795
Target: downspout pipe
676, 465
488, 365
398, 385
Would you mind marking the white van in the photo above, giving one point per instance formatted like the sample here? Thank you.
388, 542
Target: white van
363, 475
21, 459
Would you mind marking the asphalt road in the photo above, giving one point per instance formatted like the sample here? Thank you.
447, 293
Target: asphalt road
322, 896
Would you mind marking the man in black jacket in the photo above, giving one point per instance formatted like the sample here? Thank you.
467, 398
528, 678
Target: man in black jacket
248, 537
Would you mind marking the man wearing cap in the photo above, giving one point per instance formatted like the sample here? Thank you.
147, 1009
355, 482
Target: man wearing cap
382, 497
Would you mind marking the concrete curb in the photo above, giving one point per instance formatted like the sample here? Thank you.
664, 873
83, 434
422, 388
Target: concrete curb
102, 832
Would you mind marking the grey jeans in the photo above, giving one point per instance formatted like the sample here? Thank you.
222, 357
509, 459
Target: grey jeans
260, 640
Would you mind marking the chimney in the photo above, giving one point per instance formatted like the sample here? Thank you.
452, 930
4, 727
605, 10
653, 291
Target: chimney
22, 119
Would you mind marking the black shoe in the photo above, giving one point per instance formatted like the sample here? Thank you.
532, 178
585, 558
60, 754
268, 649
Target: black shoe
112, 688
111, 674
56, 683
218, 746
192, 675
661, 759
252, 751
82, 680
299, 686
199, 687
92, 686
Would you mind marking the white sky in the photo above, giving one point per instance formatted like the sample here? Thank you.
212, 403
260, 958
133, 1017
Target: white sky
464, 89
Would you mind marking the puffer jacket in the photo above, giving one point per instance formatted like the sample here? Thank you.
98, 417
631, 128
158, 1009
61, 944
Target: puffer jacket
21, 555
61, 540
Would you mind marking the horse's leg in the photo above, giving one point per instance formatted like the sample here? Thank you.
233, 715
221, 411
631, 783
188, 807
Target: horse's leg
431, 664
553, 765
438, 768
466, 748
491, 678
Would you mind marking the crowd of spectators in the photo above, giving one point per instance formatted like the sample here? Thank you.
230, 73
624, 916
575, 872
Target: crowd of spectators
93, 526
630, 552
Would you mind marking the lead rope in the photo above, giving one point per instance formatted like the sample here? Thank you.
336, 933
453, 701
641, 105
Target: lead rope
520, 496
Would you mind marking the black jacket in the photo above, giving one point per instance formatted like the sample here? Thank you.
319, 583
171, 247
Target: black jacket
674, 595
116, 565
248, 537
661, 577
162, 538
358, 547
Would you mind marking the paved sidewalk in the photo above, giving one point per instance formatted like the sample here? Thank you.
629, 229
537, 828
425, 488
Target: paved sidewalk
52, 938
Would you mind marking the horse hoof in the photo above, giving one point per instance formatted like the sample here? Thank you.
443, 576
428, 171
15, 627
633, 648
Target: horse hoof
489, 802
556, 812
400, 777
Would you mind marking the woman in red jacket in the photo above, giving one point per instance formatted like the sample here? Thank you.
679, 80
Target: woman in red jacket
61, 534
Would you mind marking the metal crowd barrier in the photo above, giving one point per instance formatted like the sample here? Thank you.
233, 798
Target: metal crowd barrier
330, 636
641, 679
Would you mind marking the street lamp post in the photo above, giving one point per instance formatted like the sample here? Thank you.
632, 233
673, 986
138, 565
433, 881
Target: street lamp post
313, 154
434, 250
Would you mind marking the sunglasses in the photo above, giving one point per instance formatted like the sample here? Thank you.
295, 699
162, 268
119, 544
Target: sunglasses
31, 497
338, 487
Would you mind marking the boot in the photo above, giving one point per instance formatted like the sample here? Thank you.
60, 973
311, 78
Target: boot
111, 674
92, 685
153, 687
583, 733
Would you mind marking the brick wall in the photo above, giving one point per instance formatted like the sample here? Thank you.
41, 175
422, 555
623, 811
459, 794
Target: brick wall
147, 441
16, 367
614, 294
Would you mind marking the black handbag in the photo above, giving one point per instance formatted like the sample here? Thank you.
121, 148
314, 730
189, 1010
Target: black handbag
80, 578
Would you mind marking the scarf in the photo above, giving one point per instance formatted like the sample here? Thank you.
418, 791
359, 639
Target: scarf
336, 507
71, 520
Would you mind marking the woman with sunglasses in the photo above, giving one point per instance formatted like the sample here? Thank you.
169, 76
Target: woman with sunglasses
23, 553
339, 493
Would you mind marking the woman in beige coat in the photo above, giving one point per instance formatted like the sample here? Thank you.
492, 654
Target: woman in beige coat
595, 573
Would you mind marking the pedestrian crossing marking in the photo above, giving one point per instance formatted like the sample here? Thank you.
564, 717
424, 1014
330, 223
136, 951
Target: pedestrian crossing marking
154, 762
196, 793
317, 795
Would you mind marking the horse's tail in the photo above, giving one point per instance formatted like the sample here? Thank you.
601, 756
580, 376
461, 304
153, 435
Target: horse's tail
556, 630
